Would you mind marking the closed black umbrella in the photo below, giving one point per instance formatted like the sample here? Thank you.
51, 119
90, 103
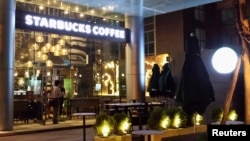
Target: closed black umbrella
166, 82
195, 91
153, 86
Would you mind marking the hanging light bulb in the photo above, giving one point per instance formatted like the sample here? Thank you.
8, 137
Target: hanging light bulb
48, 45
39, 38
66, 37
44, 57
54, 35
39, 54
64, 51
49, 63
58, 47
61, 42
57, 53
44, 49
35, 46
52, 49
29, 64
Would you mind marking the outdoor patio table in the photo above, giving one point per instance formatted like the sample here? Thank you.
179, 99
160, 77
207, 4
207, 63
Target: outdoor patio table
147, 133
84, 114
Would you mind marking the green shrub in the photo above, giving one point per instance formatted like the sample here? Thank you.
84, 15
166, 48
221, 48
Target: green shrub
155, 117
119, 121
101, 120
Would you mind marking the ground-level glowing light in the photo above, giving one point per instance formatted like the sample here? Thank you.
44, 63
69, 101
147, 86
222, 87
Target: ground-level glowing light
177, 120
197, 119
232, 115
224, 60
124, 126
105, 129
165, 122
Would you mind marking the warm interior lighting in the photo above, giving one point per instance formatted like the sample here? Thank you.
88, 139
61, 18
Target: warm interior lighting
48, 45
64, 51
61, 42
58, 47
39, 39
52, 49
49, 63
57, 53
39, 54
54, 35
35, 46
29, 64
44, 49
44, 57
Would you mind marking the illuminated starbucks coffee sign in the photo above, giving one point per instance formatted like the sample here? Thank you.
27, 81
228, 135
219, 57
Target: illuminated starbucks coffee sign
34, 21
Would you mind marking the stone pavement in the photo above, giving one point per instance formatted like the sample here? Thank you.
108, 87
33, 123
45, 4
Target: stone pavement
66, 130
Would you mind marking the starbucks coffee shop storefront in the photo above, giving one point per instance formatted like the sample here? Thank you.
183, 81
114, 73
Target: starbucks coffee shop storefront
89, 57
42, 41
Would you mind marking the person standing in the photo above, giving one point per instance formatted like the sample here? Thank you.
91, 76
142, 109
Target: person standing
55, 100
61, 98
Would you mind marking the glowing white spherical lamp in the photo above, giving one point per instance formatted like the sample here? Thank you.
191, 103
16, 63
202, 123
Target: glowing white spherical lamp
224, 60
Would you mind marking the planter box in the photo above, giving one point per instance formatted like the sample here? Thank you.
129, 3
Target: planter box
126, 137
111, 138
180, 132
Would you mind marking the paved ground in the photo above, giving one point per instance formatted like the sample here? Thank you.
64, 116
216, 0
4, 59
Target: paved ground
68, 130
62, 135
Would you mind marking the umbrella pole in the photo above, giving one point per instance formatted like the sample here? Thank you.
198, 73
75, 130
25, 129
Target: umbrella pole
231, 91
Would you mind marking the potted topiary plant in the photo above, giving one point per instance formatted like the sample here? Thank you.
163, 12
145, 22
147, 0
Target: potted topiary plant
104, 125
158, 119
122, 123
178, 117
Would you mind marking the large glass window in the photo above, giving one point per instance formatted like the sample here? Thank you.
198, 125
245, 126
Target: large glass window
199, 13
201, 36
228, 16
89, 67
149, 36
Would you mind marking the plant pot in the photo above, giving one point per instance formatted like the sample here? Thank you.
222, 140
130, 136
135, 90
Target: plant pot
126, 137
111, 138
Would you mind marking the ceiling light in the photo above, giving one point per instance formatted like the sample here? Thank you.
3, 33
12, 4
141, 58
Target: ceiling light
81, 15
39, 54
29, 64
57, 53
61, 42
48, 45
39, 39
64, 51
49, 63
52, 49
44, 49
58, 47
35, 46
44, 57
54, 35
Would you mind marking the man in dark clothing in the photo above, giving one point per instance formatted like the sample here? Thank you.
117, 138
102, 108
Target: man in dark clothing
61, 98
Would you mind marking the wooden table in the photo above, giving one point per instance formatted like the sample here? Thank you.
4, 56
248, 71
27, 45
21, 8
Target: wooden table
147, 133
84, 114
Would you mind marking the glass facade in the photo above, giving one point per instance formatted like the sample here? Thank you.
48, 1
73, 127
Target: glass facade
91, 67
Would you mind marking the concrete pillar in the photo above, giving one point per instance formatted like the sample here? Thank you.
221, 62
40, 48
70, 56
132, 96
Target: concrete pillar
7, 56
135, 54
